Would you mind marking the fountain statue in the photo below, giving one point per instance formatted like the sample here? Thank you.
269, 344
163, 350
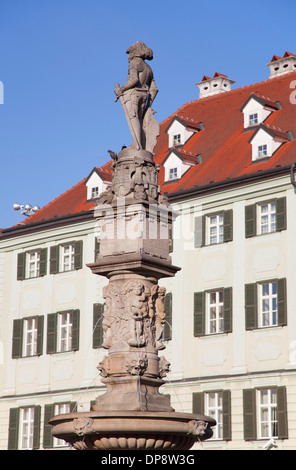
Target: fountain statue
135, 220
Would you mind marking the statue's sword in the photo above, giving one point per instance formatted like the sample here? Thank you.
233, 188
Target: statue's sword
127, 117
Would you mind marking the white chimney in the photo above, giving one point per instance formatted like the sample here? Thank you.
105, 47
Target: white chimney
213, 86
281, 65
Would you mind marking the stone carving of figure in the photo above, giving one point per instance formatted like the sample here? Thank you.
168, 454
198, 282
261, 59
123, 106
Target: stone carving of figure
157, 301
137, 96
138, 310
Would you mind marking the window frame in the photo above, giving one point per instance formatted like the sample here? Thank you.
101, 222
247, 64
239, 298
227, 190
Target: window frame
262, 151
271, 217
216, 412
253, 121
267, 298
271, 407
64, 331
56, 257
173, 173
54, 332
218, 321
177, 139
218, 225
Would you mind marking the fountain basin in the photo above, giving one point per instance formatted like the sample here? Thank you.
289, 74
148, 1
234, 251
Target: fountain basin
131, 430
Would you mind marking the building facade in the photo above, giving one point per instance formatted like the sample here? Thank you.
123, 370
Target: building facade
226, 163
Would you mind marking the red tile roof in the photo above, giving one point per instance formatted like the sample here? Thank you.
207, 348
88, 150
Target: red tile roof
223, 144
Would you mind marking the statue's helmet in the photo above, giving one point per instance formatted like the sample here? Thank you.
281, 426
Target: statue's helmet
139, 49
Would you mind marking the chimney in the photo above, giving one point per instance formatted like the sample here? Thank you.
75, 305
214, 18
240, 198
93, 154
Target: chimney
281, 65
214, 86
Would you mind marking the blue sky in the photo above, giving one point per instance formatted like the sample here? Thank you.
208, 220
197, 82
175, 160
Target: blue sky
60, 59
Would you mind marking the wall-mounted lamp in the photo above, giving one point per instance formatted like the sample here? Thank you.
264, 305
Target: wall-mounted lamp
25, 209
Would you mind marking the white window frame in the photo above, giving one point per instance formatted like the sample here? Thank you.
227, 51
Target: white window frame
32, 264
60, 408
173, 173
253, 119
215, 229
214, 409
26, 435
67, 256
177, 139
215, 312
94, 191
266, 217
65, 331
262, 151
268, 304
267, 422
30, 336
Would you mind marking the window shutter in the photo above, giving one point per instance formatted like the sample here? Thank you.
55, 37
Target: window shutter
199, 313
167, 332
97, 247
75, 330
43, 262
171, 239
227, 226
281, 219
251, 306
98, 310
249, 407
282, 413
40, 335
198, 403
199, 231
36, 433
17, 338
54, 259
227, 309
226, 397
47, 436
73, 406
13, 428
21, 266
78, 245
250, 220
282, 302
51, 333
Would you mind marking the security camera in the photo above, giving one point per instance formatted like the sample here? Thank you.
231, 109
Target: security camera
270, 444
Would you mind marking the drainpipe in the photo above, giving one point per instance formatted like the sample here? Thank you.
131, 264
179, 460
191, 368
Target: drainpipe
292, 174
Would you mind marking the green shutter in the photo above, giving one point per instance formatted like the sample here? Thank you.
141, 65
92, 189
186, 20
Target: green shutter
251, 318
47, 436
250, 220
40, 323
97, 247
226, 398
199, 313
199, 231
17, 338
36, 433
43, 262
78, 248
282, 302
75, 330
198, 403
171, 239
249, 408
21, 266
228, 225
281, 219
167, 332
54, 259
98, 310
51, 333
282, 413
13, 428
227, 309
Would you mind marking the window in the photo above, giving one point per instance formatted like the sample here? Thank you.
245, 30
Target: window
217, 405
265, 413
212, 312
214, 409
177, 139
173, 173
98, 333
50, 410
212, 229
27, 337
262, 151
63, 331
60, 408
215, 304
215, 232
266, 304
66, 257
265, 217
32, 264
95, 192
24, 428
253, 119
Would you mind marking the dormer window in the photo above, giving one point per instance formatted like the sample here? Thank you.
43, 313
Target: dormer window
181, 129
266, 141
97, 183
177, 139
257, 109
262, 151
173, 173
95, 191
177, 163
253, 119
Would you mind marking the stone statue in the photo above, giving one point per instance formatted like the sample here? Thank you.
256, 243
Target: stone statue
137, 96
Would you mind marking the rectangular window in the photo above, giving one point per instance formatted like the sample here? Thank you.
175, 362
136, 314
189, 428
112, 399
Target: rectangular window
268, 304
253, 119
177, 139
266, 218
214, 409
63, 331
30, 336
26, 428
95, 191
27, 337
33, 264
262, 151
67, 257
60, 408
65, 326
173, 173
215, 312
267, 413
215, 229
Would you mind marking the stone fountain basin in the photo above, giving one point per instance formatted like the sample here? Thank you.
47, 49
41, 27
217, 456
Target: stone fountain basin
131, 430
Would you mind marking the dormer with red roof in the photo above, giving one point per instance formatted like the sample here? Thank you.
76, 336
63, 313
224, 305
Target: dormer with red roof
266, 141
177, 163
97, 182
220, 83
256, 109
282, 65
181, 129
